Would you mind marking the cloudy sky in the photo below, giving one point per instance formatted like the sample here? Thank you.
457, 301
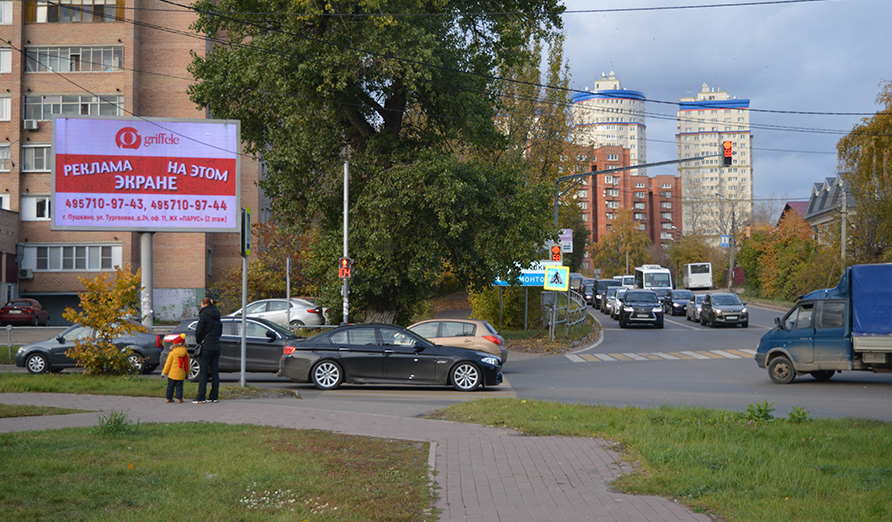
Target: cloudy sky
809, 56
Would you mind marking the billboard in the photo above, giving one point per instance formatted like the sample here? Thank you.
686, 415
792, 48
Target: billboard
145, 174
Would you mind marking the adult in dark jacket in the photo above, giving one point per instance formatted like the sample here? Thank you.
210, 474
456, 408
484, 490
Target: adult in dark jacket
208, 332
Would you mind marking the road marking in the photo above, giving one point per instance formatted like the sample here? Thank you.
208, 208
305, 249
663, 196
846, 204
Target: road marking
741, 353
575, 358
666, 356
604, 357
620, 357
696, 355
635, 356
662, 356
726, 354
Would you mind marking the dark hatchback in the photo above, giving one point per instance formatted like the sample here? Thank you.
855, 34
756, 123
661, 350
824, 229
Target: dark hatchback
49, 355
641, 307
385, 354
601, 286
723, 308
264, 343
676, 302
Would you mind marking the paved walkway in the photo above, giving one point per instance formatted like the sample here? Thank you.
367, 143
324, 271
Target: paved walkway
482, 473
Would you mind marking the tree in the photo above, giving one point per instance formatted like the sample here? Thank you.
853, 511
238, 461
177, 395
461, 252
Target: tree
623, 248
406, 90
272, 245
693, 248
103, 305
865, 155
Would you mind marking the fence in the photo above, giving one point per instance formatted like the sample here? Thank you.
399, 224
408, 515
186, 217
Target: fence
568, 308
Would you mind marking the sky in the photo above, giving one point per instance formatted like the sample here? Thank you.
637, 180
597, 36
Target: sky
811, 56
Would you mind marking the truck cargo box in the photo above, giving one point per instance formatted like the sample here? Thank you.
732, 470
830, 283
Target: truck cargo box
871, 297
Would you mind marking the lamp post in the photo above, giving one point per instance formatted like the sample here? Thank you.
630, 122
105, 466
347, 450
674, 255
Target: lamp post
733, 244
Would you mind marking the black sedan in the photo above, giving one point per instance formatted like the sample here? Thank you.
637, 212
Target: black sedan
264, 342
49, 355
385, 354
676, 302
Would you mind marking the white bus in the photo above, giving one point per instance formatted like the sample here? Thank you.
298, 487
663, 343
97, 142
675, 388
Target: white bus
653, 276
698, 276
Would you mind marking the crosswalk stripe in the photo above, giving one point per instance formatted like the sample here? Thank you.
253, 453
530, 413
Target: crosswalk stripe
620, 357
696, 355
725, 354
711, 355
741, 353
749, 351
666, 356
680, 355
590, 358
575, 358
604, 357
652, 357
635, 356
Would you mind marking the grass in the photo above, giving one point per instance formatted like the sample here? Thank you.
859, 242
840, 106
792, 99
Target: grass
130, 385
738, 466
14, 410
173, 471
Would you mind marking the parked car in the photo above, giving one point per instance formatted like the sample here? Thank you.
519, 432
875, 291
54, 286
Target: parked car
473, 334
24, 312
601, 286
608, 298
692, 309
303, 312
641, 307
676, 302
49, 355
385, 354
264, 343
618, 301
724, 308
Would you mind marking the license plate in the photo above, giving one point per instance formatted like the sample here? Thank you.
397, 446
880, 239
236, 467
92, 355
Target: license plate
731, 317
642, 315
15, 311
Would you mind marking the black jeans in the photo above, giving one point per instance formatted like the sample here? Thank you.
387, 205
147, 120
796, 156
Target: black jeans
174, 386
209, 366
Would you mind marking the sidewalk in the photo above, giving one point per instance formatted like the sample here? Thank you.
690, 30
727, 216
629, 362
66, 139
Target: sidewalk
482, 473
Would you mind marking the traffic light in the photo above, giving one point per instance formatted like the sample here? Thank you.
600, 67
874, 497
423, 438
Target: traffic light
345, 267
728, 152
556, 253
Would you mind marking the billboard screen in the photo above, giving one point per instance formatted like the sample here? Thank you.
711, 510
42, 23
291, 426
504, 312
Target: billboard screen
145, 174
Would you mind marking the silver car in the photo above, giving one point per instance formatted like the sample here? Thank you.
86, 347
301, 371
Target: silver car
692, 309
303, 312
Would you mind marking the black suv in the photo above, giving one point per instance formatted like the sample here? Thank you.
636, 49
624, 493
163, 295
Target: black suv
641, 307
601, 288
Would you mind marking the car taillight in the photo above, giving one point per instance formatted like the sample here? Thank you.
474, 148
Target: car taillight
314, 311
289, 350
492, 339
159, 341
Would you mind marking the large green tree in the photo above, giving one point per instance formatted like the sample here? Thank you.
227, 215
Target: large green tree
865, 155
623, 248
406, 90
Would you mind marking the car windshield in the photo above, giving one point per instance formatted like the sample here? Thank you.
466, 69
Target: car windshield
641, 298
726, 300
682, 295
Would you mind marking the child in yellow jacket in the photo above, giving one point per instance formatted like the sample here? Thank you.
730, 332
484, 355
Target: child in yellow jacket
176, 368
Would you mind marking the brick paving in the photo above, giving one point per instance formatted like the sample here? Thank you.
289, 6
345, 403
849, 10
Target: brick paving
482, 473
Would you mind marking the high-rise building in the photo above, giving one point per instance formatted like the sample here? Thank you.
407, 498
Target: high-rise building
123, 58
715, 198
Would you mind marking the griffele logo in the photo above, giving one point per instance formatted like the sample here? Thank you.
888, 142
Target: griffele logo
127, 138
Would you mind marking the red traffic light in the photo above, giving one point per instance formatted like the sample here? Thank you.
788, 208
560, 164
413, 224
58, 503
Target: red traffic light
556, 253
728, 152
345, 267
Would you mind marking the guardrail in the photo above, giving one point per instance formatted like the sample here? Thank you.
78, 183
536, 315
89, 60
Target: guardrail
570, 310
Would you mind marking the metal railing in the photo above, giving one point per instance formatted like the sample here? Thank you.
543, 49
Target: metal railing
568, 308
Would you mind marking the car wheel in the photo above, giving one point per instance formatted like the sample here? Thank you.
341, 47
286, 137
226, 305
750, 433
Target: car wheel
151, 368
823, 375
781, 371
138, 362
702, 320
659, 323
327, 375
194, 369
710, 322
37, 363
622, 322
35, 321
297, 322
745, 324
466, 377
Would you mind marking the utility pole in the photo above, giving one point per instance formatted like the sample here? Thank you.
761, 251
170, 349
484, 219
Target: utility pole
733, 242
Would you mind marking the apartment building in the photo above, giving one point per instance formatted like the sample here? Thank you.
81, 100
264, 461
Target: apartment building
123, 58
715, 198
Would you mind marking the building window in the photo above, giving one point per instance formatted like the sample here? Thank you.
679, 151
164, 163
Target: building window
5, 108
612, 192
666, 185
639, 185
5, 12
36, 158
35, 208
72, 258
613, 204
612, 157
5, 160
666, 204
641, 216
583, 205
43, 107
5, 60
639, 206
641, 195
74, 59
73, 11
666, 215
582, 194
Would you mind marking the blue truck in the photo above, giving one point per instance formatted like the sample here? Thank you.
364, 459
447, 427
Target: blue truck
848, 327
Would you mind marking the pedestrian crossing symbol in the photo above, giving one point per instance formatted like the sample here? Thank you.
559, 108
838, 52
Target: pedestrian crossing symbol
557, 278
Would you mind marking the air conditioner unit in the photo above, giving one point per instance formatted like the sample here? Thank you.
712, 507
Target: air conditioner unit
30, 125
26, 273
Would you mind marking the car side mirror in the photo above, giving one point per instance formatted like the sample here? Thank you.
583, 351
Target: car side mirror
419, 347
271, 336
60, 339
777, 323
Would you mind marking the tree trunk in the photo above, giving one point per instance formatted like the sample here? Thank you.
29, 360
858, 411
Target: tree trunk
373, 315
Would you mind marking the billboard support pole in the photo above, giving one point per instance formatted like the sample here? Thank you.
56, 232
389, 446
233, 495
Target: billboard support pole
145, 262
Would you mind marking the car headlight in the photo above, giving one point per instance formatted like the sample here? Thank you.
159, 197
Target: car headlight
717, 310
657, 309
743, 311
495, 361
21, 349
628, 309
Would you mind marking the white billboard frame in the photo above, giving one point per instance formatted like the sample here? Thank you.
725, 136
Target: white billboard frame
129, 174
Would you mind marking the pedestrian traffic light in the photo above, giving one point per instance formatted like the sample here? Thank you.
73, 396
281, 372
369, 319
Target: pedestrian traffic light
345, 267
556, 253
726, 148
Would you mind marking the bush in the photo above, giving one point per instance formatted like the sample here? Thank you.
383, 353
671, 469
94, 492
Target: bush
485, 305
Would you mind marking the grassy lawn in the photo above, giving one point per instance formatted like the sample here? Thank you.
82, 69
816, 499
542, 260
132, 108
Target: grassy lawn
178, 471
738, 466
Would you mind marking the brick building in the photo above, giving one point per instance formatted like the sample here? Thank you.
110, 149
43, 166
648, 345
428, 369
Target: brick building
97, 58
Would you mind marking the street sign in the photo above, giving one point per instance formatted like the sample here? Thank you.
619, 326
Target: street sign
726, 240
557, 278
566, 237
527, 278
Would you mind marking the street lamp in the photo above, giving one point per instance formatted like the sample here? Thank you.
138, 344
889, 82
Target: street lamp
733, 244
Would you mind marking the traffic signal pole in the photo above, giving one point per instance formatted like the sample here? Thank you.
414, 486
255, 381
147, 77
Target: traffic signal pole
346, 287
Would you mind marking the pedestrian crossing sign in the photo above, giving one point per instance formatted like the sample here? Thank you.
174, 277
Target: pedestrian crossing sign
557, 278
